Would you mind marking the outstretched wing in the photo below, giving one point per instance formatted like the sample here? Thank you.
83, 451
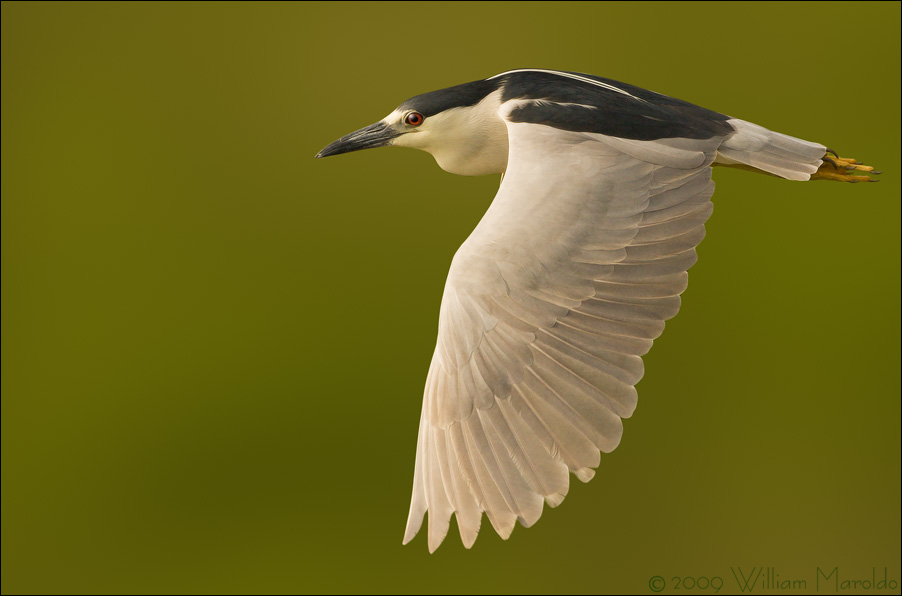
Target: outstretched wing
548, 307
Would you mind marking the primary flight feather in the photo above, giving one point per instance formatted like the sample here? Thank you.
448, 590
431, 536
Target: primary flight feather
560, 290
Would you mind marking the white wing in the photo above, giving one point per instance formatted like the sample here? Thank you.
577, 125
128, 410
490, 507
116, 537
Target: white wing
548, 307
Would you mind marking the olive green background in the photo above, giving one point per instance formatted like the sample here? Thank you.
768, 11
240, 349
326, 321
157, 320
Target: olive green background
214, 346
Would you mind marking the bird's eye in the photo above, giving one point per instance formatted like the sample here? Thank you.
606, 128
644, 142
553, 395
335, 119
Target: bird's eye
414, 118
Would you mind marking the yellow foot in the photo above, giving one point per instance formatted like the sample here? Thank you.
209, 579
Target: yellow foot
841, 169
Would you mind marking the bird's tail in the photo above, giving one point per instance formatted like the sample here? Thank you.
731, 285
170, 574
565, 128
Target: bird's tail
755, 148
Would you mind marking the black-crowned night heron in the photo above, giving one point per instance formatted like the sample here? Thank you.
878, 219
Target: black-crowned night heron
564, 284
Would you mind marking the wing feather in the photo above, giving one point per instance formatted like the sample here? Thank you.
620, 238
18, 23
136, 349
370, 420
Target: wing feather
440, 508
557, 434
495, 504
462, 500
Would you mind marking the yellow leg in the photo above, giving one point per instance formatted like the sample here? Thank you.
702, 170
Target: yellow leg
842, 169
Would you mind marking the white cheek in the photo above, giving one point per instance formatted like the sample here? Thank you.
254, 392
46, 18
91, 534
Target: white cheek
417, 140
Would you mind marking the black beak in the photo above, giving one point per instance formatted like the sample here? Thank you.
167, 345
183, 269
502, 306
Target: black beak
374, 135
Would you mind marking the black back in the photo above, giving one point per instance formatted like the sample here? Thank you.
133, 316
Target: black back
646, 116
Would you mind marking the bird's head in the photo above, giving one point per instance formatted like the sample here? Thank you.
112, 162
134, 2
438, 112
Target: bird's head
460, 126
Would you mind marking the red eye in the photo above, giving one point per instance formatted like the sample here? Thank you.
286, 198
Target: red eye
414, 119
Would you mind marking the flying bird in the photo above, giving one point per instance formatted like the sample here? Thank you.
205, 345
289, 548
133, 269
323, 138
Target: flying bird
560, 290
